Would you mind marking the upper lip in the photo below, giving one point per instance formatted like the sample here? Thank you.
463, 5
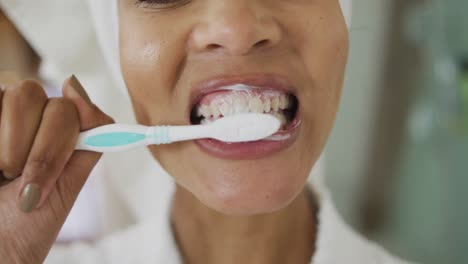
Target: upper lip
259, 80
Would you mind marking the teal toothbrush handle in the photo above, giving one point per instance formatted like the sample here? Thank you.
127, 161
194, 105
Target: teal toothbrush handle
120, 137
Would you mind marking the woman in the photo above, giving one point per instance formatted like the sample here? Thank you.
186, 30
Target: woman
239, 203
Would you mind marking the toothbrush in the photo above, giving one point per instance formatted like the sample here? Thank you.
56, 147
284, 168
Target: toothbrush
120, 137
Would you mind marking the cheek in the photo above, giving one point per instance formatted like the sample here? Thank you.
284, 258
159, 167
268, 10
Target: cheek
324, 52
150, 60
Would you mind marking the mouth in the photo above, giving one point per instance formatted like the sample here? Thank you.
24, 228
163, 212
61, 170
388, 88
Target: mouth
240, 99
255, 94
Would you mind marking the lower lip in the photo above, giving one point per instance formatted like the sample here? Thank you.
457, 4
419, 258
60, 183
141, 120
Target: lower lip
250, 150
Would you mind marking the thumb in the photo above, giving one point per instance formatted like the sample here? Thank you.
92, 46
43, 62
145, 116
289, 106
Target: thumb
81, 163
90, 115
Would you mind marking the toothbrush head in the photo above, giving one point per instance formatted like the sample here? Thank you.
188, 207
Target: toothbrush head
244, 127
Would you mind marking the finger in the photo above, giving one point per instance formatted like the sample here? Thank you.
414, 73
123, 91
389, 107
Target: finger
22, 107
53, 145
77, 168
3, 180
81, 163
6, 78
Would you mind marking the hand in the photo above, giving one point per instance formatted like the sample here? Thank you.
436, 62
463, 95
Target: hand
42, 174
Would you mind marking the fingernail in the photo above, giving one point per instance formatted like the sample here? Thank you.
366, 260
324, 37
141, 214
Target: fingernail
30, 197
10, 175
79, 88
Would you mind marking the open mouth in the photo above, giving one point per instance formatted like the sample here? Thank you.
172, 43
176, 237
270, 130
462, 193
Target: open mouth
255, 93
241, 98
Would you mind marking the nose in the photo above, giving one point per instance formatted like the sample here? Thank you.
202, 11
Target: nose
234, 27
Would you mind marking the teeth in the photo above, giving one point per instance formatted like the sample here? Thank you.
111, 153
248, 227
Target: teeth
256, 105
215, 110
275, 104
244, 103
267, 105
225, 109
204, 111
240, 105
283, 102
279, 116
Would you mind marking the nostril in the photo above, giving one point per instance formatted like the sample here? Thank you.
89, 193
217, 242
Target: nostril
213, 46
261, 43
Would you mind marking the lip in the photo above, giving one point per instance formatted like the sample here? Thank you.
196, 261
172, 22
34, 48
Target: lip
245, 150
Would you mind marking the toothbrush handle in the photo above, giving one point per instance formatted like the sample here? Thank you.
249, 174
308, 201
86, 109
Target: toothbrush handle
113, 138
120, 137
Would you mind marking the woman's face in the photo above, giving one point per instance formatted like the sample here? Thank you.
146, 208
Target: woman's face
183, 60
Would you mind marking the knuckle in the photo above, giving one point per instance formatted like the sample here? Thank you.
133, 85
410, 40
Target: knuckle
12, 160
63, 104
12, 164
28, 89
42, 163
64, 107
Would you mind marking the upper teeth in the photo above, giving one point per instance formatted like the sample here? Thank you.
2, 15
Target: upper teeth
235, 103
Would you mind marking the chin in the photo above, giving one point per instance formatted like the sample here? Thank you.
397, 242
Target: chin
248, 187
240, 200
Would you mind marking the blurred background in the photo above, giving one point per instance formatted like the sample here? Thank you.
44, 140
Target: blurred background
397, 160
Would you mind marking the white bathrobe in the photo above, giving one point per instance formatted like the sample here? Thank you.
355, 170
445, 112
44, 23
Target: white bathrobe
126, 201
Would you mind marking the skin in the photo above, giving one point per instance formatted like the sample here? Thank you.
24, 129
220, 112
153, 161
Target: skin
235, 204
